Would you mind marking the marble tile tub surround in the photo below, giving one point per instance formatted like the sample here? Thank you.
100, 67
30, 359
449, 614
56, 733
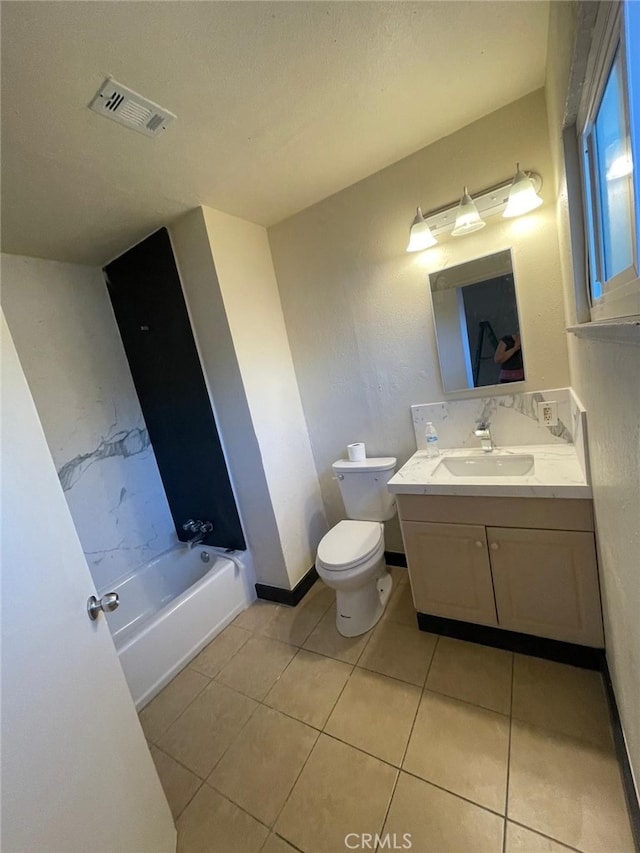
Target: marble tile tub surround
68, 342
513, 418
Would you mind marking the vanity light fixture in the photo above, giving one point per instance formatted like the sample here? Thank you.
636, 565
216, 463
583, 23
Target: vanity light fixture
468, 217
420, 236
514, 197
523, 197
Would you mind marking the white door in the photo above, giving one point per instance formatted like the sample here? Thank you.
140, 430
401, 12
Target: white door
76, 771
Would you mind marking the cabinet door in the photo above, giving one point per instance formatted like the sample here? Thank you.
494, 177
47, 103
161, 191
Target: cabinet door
449, 570
546, 583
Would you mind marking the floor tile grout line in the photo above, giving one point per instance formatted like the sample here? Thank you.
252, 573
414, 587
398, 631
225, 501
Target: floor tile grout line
186, 805
289, 716
182, 764
453, 793
320, 618
233, 740
219, 683
465, 701
506, 793
211, 677
201, 781
295, 782
544, 835
290, 843
242, 809
404, 754
229, 745
164, 731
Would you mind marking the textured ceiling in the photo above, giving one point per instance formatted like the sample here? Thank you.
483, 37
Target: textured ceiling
279, 105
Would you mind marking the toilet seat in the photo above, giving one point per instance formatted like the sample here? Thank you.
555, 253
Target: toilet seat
350, 543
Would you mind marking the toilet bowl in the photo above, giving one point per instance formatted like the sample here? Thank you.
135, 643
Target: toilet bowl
350, 556
351, 560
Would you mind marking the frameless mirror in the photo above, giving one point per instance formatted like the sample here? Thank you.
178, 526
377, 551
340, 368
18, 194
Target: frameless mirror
477, 325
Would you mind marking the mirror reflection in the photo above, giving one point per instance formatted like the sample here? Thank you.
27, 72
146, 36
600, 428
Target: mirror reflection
477, 325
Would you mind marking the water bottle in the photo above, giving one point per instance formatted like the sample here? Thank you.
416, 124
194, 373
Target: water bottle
431, 437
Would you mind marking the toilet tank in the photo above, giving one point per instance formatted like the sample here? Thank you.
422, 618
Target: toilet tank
364, 488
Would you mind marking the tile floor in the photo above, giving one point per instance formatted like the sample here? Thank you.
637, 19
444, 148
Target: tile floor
282, 735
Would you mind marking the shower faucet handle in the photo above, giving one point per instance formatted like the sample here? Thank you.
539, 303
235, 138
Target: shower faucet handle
197, 526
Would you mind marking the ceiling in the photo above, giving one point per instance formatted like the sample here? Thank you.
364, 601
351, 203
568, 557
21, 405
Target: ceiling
279, 105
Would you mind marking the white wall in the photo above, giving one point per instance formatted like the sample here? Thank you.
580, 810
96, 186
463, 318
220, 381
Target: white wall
227, 392
63, 326
605, 376
249, 290
356, 305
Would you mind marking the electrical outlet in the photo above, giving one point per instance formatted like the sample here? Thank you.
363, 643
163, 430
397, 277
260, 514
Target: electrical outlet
548, 413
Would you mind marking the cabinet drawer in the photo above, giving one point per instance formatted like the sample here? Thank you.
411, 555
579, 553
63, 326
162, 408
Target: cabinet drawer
543, 513
449, 571
546, 583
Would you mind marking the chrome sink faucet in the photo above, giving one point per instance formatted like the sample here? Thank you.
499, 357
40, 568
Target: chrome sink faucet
199, 529
483, 432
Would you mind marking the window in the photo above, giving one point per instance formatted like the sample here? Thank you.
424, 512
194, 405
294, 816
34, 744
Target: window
609, 134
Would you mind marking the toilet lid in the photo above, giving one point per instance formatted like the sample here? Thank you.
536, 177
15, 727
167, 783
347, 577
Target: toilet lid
348, 543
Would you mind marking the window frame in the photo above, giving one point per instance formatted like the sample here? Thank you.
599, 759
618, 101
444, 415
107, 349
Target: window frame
621, 293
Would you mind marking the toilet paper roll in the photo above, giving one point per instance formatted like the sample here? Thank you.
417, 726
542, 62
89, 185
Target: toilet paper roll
356, 452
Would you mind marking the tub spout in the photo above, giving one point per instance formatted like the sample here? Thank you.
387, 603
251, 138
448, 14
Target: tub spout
197, 540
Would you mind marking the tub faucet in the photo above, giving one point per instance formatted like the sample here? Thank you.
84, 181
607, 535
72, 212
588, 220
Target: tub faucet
483, 432
199, 529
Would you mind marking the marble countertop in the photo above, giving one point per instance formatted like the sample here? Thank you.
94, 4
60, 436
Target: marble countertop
557, 474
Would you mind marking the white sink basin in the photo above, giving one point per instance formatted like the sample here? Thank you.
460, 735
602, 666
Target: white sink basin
516, 465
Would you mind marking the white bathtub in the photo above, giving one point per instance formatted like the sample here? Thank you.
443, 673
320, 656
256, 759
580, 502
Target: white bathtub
171, 608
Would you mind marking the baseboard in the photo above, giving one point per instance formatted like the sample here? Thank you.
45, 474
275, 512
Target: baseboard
630, 793
395, 558
525, 644
288, 596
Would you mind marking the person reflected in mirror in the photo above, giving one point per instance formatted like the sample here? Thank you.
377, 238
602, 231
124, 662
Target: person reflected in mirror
509, 356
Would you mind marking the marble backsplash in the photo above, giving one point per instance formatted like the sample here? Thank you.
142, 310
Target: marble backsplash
513, 419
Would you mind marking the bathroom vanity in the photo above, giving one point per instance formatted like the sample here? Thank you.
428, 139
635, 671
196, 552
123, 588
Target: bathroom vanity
509, 551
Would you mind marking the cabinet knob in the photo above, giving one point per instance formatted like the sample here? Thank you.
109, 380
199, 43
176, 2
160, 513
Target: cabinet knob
478, 543
494, 546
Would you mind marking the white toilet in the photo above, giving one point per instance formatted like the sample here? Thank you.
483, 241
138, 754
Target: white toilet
351, 555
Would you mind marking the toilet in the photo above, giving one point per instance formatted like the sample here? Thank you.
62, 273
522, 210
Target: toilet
350, 556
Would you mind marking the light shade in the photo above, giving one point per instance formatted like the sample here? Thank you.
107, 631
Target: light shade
420, 236
522, 196
468, 218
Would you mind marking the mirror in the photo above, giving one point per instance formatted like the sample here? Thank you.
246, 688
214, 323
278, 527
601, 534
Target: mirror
477, 325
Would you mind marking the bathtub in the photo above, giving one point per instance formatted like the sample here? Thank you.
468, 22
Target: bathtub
171, 607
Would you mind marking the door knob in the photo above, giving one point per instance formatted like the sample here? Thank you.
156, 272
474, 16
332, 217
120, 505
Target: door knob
107, 604
494, 546
478, 543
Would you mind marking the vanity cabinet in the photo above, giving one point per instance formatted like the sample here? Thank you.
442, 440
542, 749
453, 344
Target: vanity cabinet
521, 564
450, 571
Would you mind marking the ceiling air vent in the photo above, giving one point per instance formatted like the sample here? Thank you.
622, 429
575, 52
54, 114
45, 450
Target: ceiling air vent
127, 107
